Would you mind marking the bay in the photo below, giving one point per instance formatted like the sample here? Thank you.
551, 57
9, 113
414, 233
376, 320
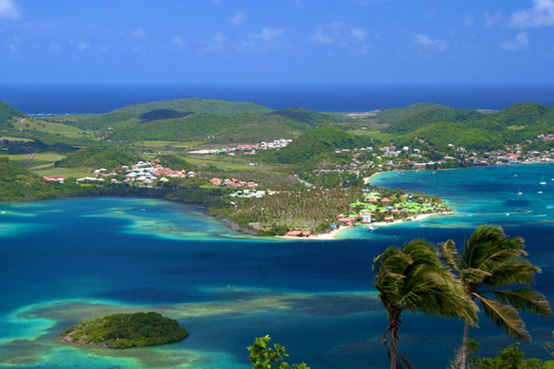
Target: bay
63, 261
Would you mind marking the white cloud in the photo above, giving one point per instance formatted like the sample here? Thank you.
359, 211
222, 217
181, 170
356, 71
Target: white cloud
492, 19
520, 42
83, 45
177, 40
138, 33
268, 34
12, 47
469, 21
54, 46
337, 33
426, 42
540, 15
214, 43
359, 34
9, 9
239, 18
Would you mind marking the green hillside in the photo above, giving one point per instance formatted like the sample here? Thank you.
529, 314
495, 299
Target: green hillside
96, 157
471, 129
393, 115
7, 114
196, 105
159, 114
18, 184
304, 116
437, 115
316, 142
223, 128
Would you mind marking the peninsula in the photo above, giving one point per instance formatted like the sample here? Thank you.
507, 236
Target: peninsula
265, 172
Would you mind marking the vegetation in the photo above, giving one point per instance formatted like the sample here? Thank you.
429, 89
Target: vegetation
196, 105
97, 157
236, 127
7, 114
159, 114
264, 357
490, 261
18, 184
126, 331
508, 358
393, 115
317, 143
413, 278
476, 130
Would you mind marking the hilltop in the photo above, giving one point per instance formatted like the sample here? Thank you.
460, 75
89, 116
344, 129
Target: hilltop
196, 105
393, 115
8, 113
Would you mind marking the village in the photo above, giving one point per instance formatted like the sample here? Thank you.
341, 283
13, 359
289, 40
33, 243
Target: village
247, 149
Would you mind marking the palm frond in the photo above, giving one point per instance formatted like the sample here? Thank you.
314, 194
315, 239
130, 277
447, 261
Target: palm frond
504, 316
525, 299
450, 254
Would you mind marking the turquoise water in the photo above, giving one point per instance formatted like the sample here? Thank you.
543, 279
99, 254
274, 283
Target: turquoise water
64, 261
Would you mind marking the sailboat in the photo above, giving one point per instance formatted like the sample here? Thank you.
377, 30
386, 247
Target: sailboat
543, 182
519, 192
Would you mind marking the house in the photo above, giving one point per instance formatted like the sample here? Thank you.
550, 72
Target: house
366, 218
345, 221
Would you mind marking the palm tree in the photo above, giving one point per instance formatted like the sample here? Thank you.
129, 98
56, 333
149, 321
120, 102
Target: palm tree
412, 277
490, 259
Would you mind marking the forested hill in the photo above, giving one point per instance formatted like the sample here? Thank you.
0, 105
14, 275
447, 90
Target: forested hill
195, 105
8, 113
468, 128
317, 142
438, 114
98, 156
393, 115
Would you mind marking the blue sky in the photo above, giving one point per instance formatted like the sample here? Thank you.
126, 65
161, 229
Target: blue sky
277, 41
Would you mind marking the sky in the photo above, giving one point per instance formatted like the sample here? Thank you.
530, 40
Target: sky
277, 41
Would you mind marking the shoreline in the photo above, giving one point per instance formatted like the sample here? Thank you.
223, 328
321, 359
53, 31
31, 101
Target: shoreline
415, 218
334, 234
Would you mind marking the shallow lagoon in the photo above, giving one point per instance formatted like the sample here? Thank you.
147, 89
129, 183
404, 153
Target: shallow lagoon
63, 261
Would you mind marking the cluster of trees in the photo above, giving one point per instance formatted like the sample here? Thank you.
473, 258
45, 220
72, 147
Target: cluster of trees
126, 331
317, 143
159, 114
18, 184
7, 114
416, 277
97, 157
472, 129
303, 209
197, 105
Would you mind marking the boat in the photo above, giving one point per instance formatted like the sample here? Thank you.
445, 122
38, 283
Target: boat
543, 182
519, 192
540, 192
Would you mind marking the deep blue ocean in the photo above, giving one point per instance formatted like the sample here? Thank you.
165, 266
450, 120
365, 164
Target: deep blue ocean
102, 98
63, 261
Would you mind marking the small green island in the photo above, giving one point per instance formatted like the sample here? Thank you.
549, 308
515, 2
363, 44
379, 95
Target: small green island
122, 331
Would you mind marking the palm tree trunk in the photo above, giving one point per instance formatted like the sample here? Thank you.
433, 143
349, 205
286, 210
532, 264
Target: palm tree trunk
462, 356
393, 349
461, 360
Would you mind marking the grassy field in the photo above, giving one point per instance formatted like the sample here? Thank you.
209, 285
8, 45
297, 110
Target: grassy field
371, 133
21, 139
177, 144
34, 160
52, 128
50, 171
234, 165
